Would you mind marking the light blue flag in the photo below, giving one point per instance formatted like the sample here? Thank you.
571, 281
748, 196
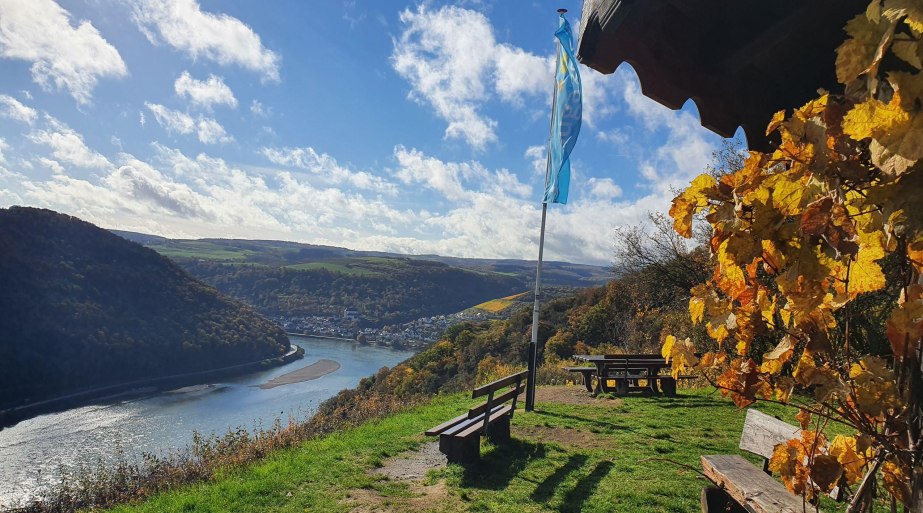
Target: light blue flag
565, 117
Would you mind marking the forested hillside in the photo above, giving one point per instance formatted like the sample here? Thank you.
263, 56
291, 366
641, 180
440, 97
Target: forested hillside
81, 307
384, 291
290, 279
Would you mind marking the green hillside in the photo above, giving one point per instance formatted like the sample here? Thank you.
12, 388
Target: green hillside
346, 261
383, 290
289, 279
81, 307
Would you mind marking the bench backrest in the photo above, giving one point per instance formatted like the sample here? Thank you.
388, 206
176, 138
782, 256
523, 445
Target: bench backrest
762, 433
517, 384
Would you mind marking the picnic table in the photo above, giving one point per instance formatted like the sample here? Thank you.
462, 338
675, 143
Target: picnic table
626, 370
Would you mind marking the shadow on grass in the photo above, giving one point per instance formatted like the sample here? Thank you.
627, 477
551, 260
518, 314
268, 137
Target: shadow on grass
595, 422
574, 500
497, 468
545, 489
693, 401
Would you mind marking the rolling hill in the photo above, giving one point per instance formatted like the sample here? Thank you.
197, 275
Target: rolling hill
289, 279
81, 307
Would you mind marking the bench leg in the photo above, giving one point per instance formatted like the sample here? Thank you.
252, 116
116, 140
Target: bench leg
621, 386
669, 387
460, 450
716, 500
588, 380
499, 431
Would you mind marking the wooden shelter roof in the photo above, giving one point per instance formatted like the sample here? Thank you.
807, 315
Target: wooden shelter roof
740, 61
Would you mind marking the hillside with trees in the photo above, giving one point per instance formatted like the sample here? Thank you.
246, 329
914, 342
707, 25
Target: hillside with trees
81, 307
386, 291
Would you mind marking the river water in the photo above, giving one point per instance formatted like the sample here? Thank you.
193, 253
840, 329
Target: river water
34, 451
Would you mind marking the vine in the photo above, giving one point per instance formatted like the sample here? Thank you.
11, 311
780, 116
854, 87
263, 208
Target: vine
797, 236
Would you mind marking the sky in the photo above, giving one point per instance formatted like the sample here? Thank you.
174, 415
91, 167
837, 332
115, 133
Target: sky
376, 125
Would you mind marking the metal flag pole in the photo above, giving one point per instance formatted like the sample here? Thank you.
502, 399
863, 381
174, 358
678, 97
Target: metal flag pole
533, 344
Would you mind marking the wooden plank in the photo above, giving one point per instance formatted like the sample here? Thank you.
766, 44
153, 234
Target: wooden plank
446, 425
580, 369
502, 382
465, 424
476, 428
762, 433
502, 398
752, 488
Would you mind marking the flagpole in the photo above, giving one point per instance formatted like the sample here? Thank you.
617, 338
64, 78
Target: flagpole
536, 307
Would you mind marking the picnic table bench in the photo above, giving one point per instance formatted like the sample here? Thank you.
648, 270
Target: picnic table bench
752, 489
627, 370
460, 438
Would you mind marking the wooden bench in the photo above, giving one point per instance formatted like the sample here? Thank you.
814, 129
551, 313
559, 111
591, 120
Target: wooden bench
754, 490
587, 373
460, 438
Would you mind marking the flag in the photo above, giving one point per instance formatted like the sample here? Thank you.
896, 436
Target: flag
566, 116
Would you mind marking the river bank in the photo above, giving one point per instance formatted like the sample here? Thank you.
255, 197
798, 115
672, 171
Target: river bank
40, 453
12, 416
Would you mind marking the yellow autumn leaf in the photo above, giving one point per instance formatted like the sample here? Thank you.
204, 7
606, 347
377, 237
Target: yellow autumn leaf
667, 349
896, 480
775, 359
864, 49
908, 11
875, 118
853, 459
690, 201
777, 120
696, 309
865, 275
788, 193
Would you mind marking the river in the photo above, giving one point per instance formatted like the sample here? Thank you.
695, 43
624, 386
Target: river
33, 451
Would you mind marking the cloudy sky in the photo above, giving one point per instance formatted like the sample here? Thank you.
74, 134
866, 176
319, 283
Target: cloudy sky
387, 125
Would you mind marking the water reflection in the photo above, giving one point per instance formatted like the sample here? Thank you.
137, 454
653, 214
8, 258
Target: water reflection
34, 450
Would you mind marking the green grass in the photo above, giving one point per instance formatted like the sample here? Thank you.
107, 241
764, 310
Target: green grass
600, 462
201, 249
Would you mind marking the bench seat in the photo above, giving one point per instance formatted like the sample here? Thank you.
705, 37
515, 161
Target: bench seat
752, 488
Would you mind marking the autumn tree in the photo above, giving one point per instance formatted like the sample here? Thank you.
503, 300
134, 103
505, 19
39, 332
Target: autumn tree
799, 238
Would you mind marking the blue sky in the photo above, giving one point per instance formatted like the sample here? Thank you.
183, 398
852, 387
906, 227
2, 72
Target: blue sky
396, 126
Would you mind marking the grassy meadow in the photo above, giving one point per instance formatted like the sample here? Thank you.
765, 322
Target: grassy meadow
573, 453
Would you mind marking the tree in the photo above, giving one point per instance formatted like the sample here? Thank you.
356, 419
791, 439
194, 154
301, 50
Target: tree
799, 238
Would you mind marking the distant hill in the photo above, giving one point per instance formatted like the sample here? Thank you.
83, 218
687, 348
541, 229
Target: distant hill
82, 307
347, 261
291, 279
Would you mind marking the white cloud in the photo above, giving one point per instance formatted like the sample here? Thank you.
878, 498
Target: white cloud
219, 37
3, 147
52, 164
446, 55
208, 130
68, 146
327, 168
205, 93
537, 158
520, 73
257, 108
453, 62
603, 188
414, 167
11, 108
181, 196
62, 56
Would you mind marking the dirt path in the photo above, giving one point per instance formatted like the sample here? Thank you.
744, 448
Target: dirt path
408, 473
